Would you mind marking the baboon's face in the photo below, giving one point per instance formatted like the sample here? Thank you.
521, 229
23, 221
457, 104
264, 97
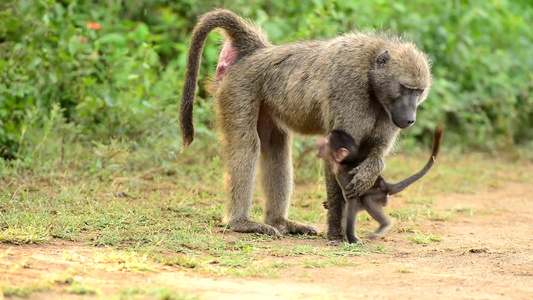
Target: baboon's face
401, 83
403, 109
324, 149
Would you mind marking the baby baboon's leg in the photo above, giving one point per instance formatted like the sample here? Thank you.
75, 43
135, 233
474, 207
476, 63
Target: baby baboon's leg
351, 218
240, 150
276, 176
375, 210
336, 206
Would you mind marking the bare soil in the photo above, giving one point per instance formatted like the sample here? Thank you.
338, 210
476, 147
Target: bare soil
486, 255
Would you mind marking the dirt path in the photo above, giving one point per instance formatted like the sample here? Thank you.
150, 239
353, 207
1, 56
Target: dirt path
487, 255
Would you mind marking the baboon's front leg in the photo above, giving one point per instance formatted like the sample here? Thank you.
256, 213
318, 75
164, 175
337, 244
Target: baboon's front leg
365, 175
336, 204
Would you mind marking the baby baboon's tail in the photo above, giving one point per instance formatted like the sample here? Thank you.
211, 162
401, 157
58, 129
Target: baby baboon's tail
245, 38
400, 186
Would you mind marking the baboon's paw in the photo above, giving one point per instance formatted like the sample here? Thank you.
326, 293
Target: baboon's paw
293, 227
334, 243
354, 239
248, 226
325, 204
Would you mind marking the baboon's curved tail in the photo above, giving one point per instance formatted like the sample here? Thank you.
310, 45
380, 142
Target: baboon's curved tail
245, 38
400, 186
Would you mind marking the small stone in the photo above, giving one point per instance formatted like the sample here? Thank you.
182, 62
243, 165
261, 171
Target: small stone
232, 240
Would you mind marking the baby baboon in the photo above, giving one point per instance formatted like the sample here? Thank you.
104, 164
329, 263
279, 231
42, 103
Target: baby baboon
366, 84
340, 149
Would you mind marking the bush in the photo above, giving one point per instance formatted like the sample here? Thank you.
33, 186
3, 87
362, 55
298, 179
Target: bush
116, 68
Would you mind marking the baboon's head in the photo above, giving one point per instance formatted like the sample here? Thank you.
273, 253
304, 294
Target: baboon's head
401, 80
339, 148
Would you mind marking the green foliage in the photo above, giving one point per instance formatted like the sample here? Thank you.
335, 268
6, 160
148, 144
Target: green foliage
421, 238
121, 76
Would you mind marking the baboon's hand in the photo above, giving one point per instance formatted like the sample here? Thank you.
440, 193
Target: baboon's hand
325, 204
364, 177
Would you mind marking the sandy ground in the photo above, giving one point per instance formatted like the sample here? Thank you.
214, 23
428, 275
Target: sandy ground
487, 255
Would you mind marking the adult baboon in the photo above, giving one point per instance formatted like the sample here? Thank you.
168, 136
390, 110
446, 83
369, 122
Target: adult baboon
366, 84
341, 150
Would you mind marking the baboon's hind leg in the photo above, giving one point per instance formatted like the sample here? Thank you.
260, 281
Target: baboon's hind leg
240, 149
277, 176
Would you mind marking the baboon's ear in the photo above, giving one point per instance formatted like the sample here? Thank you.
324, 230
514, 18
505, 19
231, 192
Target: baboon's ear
341, 154
383, 58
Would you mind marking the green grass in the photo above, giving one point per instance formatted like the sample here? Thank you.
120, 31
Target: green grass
24, 291
161, 293
421, 238
462, 209
314, 263
80, 289
404, 271
421, 201
169, 213
437, 216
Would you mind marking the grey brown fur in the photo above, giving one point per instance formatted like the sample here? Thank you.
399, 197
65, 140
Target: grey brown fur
376, 197
368, 85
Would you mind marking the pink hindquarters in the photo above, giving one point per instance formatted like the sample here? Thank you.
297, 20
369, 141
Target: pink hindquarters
226, 58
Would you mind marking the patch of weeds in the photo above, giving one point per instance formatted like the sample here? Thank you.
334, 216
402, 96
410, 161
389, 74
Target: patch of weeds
381, 249
130, 261
161, 293
235, 262
435, 216
80, 289
24, 291
132, 292
25, 235
420, 238
281, 251
405, 214
319, 236
343, 262
464, 209
357, 249
66, 278
249, 239
72, 256
420, 201
333, 261
404, 229
251, 271
404, 271
169, 294
281, 265
312, 263
184, 261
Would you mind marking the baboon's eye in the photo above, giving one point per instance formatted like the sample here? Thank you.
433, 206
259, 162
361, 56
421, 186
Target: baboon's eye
406, 90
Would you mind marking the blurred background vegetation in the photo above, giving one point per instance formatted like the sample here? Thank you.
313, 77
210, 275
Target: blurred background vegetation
102, 78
